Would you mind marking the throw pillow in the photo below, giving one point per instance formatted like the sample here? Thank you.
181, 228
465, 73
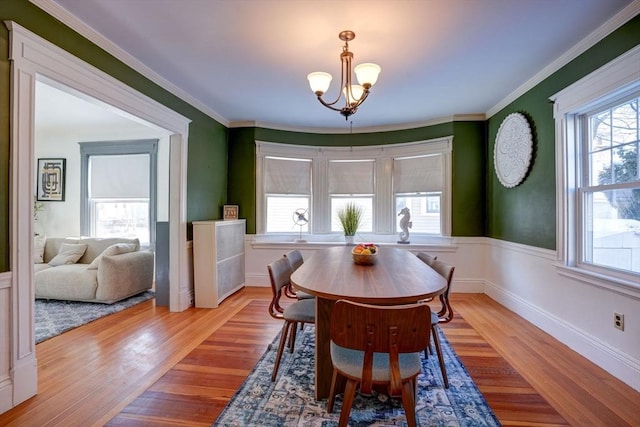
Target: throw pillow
39, 241
68, 254
117, 249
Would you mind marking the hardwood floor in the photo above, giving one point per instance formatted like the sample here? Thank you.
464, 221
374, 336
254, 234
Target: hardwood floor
145, 366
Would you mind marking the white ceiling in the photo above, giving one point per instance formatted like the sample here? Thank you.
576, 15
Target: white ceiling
247, 60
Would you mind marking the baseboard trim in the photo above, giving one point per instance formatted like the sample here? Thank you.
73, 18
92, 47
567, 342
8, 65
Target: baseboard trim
6, 395
467, 286
27, 386
259, 280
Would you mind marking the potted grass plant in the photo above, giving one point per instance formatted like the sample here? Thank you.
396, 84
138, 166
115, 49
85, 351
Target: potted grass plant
350, 216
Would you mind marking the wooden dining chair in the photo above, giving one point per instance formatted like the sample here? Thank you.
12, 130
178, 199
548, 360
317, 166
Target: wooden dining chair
444, 315
302, 311
295, 260
426, 258
373, 344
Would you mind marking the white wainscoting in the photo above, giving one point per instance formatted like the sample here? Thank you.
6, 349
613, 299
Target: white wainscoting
525, 280
6, 384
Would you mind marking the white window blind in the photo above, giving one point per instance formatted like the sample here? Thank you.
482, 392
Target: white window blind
287, 176
417, 174
119, 176
351, 177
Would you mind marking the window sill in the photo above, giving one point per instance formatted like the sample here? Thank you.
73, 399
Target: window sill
593, 278
417, 243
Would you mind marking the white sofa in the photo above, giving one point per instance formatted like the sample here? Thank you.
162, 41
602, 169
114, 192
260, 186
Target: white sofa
120, 271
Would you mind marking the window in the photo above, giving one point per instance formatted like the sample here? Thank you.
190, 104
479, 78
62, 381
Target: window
118, 189
609, 195
381, 179
598, 165
417, 185
352, 181
287, 189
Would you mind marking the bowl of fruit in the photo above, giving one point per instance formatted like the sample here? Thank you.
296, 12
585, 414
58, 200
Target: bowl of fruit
365, 254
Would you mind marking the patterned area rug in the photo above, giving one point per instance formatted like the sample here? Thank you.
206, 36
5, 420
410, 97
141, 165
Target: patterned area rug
55, 317
289, 401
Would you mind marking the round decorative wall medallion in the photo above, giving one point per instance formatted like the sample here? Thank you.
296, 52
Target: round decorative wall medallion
512, 150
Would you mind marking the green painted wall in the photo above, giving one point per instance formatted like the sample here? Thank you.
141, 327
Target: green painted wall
468, 164
207, 158
468, 204
527, 213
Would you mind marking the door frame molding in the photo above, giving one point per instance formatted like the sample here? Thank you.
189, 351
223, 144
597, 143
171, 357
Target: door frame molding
32, 58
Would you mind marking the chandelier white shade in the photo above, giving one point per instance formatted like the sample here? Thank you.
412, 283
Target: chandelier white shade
367, 73
354, 95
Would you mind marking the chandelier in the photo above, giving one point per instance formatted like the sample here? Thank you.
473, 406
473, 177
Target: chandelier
354, 95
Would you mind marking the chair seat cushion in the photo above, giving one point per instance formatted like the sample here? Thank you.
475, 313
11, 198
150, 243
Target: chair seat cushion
349, 362
434, 318
301, 311
303, 295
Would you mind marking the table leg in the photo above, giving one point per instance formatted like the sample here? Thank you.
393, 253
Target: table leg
324, 367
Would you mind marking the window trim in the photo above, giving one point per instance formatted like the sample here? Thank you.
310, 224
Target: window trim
100, 148
615, 80
383, 198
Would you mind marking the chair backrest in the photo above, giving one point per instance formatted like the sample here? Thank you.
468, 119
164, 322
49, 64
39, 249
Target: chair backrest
391, 329
426, 258
445, 314
446, 271
295, 259
279, 275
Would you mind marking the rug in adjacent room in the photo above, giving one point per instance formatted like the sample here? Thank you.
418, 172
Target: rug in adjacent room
54, 317
290, 400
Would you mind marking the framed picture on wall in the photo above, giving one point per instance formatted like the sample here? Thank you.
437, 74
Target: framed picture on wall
230, 212
51, 180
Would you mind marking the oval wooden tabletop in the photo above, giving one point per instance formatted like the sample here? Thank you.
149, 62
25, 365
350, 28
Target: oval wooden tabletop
397, 277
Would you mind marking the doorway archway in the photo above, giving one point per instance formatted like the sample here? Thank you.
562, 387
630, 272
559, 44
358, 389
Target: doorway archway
33, 57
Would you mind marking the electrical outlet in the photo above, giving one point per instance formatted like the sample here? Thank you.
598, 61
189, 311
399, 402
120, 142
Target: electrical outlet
618, 321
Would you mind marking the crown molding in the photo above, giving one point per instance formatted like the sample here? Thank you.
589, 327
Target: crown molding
604, 30
71, 21
370, 129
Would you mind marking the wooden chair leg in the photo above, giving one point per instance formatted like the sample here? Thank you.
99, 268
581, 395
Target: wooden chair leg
332, 391
443, 369
409, 403
283, 340
428, 351
347, 402
292, 337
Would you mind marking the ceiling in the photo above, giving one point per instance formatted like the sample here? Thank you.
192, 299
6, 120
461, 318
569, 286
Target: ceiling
246, 61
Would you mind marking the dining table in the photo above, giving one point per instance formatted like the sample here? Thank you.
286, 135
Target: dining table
330, 274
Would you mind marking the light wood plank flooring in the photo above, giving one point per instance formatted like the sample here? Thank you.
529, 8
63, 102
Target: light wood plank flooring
148, 367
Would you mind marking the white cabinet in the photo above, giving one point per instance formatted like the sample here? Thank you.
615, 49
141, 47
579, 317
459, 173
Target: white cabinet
218, 260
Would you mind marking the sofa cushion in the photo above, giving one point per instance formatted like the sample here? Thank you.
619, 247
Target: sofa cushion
39, 241
52, 246
69, 254
97, 245
67, 282
40, 267
117, 249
